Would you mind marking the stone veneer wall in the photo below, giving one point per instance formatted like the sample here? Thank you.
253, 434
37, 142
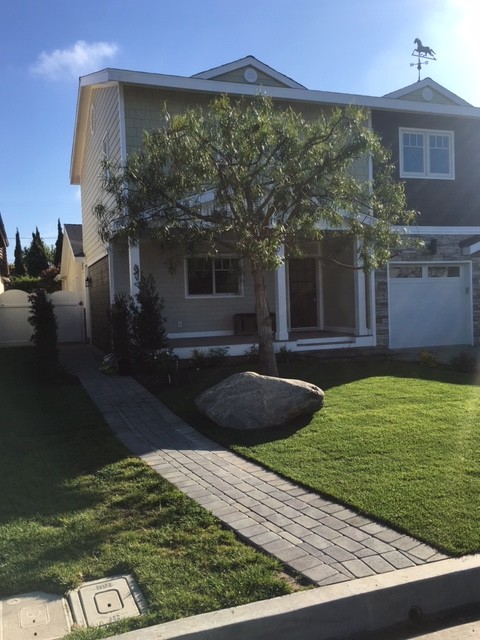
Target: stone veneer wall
448, 250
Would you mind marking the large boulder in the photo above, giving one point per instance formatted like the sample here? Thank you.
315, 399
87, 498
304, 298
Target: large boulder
251, 401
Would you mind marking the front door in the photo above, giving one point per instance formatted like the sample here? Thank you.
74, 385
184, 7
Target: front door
302, 275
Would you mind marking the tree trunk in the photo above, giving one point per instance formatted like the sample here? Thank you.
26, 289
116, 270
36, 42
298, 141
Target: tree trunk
268, 361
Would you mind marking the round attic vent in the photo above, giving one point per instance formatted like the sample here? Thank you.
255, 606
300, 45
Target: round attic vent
427, 94
250, 74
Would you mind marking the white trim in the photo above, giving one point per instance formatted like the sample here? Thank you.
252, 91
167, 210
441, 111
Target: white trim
133, 261
427, 174
248, 61
360, 303
200, 334
122, 124
241, 349
108, 77
438, 231
373, 306
111, 275
471, 249
281, 299
431, 84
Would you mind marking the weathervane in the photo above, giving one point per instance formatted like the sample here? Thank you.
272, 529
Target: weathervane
423, 55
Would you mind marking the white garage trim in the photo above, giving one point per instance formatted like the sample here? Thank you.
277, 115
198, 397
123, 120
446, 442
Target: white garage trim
430, 304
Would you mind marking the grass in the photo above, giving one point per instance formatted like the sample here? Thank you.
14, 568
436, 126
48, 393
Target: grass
395, 440
77, 506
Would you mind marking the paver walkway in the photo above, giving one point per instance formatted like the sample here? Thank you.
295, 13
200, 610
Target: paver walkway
316, 537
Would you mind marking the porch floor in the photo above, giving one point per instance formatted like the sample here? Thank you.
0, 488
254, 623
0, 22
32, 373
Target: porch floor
293, 337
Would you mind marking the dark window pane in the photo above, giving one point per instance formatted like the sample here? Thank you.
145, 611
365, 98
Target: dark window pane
226, 275
200, 276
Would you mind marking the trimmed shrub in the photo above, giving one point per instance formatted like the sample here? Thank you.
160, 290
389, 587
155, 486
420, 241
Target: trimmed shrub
147, 322
44, 323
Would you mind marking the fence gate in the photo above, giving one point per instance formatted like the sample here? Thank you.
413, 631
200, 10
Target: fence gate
15, 311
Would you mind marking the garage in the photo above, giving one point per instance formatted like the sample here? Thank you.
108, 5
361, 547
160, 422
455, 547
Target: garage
429, 304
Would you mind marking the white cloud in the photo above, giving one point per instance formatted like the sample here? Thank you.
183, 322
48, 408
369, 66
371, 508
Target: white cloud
82, 58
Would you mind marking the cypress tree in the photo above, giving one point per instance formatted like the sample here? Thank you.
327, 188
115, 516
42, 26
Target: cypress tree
58, 246
36, 259
19, 257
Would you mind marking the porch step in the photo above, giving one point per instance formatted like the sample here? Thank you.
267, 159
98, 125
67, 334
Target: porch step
325, 342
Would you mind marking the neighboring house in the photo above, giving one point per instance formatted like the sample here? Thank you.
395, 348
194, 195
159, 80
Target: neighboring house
72, 263
3, 256
425, 298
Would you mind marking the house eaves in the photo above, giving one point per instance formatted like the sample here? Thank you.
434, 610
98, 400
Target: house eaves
428, 83
249, 61
109, 77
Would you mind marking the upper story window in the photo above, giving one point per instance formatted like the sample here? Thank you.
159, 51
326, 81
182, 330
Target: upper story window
426, 154
213, 277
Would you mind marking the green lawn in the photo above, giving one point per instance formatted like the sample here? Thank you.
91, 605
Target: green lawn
395, 440
76, 506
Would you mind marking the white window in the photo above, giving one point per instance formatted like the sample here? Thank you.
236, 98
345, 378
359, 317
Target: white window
213, 276
426, 154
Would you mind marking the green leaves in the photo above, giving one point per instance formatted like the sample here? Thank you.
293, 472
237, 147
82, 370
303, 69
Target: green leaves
248, 167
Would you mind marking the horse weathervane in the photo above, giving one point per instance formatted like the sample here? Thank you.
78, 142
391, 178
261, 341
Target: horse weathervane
423, 55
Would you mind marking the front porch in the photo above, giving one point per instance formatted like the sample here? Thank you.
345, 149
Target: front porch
298, 341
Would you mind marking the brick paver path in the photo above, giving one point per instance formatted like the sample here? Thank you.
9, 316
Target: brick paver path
316, 537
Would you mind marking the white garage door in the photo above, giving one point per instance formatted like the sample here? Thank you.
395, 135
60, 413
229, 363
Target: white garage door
429, 305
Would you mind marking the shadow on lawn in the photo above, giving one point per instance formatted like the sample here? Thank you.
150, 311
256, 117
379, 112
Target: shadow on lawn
326, 374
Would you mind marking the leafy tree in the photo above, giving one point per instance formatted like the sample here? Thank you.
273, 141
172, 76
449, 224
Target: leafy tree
57, 258
44, 322
19, 257
36, 256
253, 178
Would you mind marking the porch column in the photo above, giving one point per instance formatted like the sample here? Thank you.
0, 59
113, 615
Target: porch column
133, 260
281, 299
360, 292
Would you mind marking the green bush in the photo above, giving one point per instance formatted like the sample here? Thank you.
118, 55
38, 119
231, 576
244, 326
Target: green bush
120, 325
464, 362
428, 359
147, 323
44, 322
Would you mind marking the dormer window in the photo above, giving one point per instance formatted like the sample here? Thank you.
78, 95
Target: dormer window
426, 153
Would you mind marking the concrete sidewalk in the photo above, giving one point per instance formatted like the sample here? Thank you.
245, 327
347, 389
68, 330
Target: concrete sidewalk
320, 539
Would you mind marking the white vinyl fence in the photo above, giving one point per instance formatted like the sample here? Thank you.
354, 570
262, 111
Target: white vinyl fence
15, 311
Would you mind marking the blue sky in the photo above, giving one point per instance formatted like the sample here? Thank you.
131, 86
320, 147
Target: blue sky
351, 46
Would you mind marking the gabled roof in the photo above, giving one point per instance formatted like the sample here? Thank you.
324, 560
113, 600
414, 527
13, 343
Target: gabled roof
428, 91
238, 79
249, 70
74, 234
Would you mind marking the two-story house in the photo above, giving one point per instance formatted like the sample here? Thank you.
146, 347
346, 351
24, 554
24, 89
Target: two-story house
426, 297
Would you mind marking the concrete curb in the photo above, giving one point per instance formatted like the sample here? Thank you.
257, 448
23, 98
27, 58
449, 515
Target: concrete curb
336, 611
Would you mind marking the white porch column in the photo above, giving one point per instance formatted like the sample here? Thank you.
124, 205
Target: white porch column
133, 260
281, 299
360, 290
